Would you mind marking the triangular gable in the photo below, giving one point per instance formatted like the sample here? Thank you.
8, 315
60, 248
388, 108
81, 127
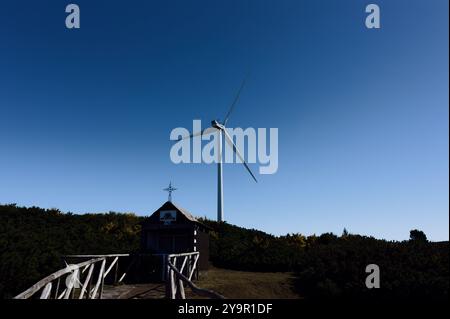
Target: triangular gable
162, 216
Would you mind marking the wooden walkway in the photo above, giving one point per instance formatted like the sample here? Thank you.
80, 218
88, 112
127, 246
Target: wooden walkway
136, 291
142, 291
86, 280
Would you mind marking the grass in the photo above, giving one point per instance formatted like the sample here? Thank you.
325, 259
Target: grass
243, 284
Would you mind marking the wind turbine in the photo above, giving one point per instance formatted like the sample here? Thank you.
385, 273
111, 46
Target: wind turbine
219, 127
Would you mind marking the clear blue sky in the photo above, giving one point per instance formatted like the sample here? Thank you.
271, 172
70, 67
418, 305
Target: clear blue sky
362, 114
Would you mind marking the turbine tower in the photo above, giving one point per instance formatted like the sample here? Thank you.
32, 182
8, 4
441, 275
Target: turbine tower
220, 129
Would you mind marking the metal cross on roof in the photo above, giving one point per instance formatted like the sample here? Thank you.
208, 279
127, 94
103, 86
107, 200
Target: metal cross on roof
170, 189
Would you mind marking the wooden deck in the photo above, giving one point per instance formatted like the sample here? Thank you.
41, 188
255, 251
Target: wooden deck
85, 280
141, 291
134, 291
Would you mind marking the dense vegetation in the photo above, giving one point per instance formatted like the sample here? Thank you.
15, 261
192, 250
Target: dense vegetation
32, 241
328, 266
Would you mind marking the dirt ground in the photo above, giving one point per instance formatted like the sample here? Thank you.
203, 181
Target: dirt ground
231, 284
242, 284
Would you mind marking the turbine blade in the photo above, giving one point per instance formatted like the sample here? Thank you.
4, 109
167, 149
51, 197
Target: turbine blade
235, 101
206, 131
235, 149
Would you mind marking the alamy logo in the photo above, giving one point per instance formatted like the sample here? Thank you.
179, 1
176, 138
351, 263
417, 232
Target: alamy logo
373, 279
261, 146
73, 19
373, 18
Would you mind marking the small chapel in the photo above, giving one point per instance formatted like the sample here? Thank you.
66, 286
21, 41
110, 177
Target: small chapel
171, 229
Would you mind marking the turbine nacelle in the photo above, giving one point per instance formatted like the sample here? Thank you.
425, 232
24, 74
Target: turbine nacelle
216, 124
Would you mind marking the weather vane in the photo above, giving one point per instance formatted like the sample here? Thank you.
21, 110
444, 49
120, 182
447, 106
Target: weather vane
170, 189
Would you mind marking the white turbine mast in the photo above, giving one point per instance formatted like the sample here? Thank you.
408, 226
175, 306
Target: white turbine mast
219, 127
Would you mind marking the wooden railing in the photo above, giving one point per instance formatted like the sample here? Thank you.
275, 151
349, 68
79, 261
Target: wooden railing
73, 284
85, 280
177, 277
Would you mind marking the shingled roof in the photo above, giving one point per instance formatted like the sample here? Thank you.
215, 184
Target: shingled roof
184, 212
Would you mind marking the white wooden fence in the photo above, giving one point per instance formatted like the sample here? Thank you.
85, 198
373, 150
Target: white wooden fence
82, 281
85, 280
180, 269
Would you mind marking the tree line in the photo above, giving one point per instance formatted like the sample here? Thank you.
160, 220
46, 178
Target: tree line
32, 241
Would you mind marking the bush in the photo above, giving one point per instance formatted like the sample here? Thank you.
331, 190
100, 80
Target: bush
32, 241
